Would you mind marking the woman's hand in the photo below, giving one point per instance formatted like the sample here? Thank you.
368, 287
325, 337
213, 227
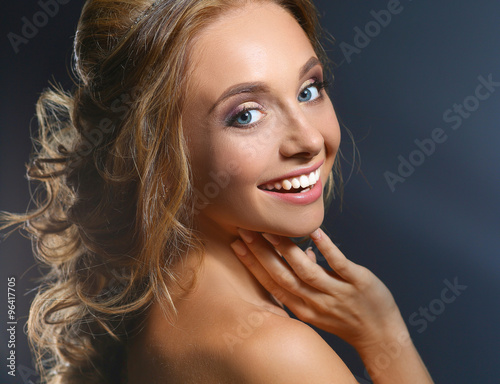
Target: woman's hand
350, 301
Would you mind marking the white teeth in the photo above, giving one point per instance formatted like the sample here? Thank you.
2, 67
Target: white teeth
312, 178
302, 181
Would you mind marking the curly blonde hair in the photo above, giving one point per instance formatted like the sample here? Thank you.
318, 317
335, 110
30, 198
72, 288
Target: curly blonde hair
116, 209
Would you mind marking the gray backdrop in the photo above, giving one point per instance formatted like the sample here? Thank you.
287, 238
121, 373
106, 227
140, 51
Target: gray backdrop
418, 84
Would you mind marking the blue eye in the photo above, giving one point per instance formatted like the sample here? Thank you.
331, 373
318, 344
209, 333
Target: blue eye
246, 117
310, 93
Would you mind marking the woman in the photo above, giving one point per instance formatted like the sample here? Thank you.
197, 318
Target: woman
198, 139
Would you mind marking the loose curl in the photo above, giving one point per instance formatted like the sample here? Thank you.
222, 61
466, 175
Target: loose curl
116, 210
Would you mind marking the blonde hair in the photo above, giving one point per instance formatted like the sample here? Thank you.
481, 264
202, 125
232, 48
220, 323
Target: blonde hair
116, 208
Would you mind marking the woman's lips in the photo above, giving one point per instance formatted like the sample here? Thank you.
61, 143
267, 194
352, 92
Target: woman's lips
297, 184
302, 186
295, 181
301, 196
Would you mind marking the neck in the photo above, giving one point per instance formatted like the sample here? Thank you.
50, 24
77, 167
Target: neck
221, 267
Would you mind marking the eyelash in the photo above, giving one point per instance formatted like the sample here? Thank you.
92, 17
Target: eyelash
320, 85
231, 120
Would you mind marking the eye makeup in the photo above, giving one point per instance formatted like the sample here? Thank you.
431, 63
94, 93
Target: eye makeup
255, 112
232, 119
319, 85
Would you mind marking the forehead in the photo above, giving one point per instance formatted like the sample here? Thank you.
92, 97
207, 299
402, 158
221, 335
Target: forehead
255, 42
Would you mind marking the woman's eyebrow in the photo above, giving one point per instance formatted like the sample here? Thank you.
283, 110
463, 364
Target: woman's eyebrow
311, 63
259, 87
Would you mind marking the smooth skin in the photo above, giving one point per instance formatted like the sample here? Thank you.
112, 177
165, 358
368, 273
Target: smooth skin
350, 302
254, 111
261, 57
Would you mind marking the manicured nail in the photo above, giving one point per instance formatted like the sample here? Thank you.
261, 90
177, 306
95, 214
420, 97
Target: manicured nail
239, 248
316, 235
273, 239
310, 253
246, 235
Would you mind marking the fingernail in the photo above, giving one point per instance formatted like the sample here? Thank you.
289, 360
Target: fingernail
310, 253
273, 239
239, 248
246, 235
316, 235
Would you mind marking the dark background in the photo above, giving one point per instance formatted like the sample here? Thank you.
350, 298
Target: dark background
440, 226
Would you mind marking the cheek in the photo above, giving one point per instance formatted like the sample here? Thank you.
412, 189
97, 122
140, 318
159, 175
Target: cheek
226, 180
242, 158
226, 168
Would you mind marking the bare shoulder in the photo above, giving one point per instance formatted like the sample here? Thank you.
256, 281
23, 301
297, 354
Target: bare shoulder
276, 349
233, 342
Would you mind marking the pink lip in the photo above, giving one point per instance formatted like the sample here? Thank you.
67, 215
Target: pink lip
299, 198
298, 172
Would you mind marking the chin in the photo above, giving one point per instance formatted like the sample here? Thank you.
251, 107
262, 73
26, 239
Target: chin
300, 227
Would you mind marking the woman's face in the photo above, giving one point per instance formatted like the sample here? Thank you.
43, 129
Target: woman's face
260, 129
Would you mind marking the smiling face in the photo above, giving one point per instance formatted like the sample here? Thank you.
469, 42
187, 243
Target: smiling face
262, 133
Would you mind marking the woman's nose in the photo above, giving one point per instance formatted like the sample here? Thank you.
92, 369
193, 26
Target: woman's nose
300, 137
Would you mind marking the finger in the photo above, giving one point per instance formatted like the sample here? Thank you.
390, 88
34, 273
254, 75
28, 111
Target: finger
277, 268
246, 256
302, 264
345, 268
310, 253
